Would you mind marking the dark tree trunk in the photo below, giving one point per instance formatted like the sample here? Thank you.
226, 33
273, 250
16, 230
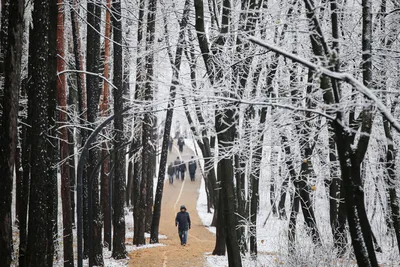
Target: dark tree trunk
220, 242
104, 110
23, 211
136, 192
240, 177
93, 97
52, 148
168, 122
225, 127
337, 212
105, 196
282, 200
149, 118
9, 131
293, 222
303, 193
137, 135
5, 6
71, 151
63, 145
129, 184
18, 181
40, 214
119, 250
81, 104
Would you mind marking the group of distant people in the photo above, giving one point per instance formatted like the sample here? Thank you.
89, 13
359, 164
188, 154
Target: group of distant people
178, 169
180, 143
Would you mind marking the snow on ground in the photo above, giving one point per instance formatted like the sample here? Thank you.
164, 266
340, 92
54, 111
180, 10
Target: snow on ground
272, 241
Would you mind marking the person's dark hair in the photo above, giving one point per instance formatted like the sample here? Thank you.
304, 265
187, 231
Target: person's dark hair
183, 207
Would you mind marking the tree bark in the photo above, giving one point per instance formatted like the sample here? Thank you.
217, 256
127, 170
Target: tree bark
93, 97
149, 118
9, 132
137, 164
40, 216
105, 171
63, 145
119, 250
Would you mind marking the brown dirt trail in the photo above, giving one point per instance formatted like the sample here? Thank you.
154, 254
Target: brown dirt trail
200, 240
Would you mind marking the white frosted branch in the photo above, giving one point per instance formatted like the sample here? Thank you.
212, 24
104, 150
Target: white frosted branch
336, 75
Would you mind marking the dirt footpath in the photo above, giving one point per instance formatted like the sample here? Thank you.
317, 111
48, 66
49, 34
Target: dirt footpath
200, 240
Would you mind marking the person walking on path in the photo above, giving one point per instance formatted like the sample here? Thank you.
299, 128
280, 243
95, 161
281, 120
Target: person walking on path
171, 172
182, 169
177, 164
192, 168
170, 143
182, 221
181, 143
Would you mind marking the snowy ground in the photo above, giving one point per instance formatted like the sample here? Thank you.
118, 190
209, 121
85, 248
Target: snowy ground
272, 238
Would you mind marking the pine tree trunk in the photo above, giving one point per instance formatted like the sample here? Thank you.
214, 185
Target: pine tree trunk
40, 214
52, 148
82, 104
64, 149
137, 135
104, 106
93, 97
148, 120
119, 251
23, 211
8, 130
220, 241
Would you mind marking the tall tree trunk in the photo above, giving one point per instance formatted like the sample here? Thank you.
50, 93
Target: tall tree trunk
225, 127
119, 251
9, 132
105, 170
81, 186
137, 134
52, 148
71, 149
149, 118
168, 123
93, 97
40, 217
220, 241
64, 153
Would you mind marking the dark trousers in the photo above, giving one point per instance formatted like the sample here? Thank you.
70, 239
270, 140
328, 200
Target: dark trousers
182, 175
192, 174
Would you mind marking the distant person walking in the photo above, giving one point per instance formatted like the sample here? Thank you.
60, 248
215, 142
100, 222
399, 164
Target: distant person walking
177, 163
171, 172
182, 221
192, 169
181, 143
182, 169
170, 143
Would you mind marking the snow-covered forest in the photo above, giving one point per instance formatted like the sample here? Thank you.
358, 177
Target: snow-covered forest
289, 107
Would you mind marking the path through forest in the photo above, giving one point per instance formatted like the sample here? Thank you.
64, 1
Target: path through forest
200, 240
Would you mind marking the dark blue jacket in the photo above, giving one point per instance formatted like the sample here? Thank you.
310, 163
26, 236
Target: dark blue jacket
171, 170
192, 166
182, 220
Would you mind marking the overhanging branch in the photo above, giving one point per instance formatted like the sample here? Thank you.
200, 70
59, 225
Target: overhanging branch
335, 75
